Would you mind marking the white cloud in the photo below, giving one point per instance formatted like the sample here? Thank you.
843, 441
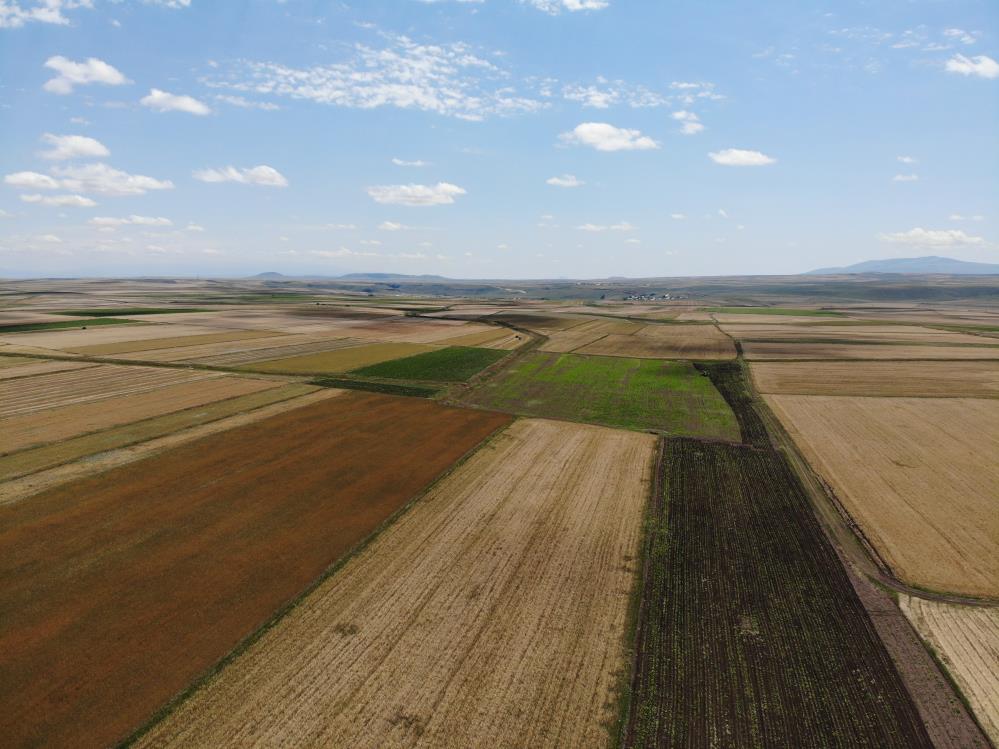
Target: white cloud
31, 181
101, 178
931, 238
965, 37
107, 221
959, 217
72, 74
905, 178
264, 175
448, 79
633, 241
907, 160
566, 180
348, 227
16, 13
194, 227
688, 93
74, 201
980, 65
393, 226
416, 163
605, 93
72, 147
739, 157
691, 123
52, 238
623, 226
244, 103
678, 216
605, 137
554, 7
162, 101
443, 193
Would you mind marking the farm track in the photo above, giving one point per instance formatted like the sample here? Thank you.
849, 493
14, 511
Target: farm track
120, 590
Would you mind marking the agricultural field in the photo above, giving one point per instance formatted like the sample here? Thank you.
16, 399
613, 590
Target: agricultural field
919, 475
32, 327
494, 338
666, 341
925, 379
564, 341
170, 342
790, 349
164, 565
778, 311
629, 393
432, 636
966, 640
750, 633
339, 360
858, 333
451, 364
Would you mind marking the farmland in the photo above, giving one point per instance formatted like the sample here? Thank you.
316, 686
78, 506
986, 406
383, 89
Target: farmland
165, 564
451, 364
629, 393
751, 634
918, 475
791, 349
433, 636
339, 360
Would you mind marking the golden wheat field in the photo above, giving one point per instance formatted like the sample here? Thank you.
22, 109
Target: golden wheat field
491, 614
939, 379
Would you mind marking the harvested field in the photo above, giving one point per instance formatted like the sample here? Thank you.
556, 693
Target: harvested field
539, 322
66, 388
964, 379
750, 632
774, 311
67, 340
966, 640
451, 364
55, 424
581, 335
847, 333
666, 342
919, 476
339, 360
491, 614
34, 327
26, 367
164, 565
248, 356
495, 338
629, 393
152, 344
40, 458
771, 350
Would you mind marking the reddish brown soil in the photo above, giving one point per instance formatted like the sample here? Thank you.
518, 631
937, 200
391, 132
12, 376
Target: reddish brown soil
118, 591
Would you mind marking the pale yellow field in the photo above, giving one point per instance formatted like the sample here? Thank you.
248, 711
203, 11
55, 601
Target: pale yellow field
666, 342
153, 344
727, 318
492, 614
60, 389
54, 424
340, 360
919, 475
578, 336
790, 350
72, 338
881, 333
966, 639
941, 379
248, 355
11, 367
494, 338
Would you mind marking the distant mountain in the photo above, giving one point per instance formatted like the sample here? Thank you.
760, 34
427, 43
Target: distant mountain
390, 277
270, 275
929, 264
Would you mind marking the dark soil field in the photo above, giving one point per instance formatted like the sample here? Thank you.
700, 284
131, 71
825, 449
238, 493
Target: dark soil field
119, 591
750, 633
728, 378
452, 364
668, 396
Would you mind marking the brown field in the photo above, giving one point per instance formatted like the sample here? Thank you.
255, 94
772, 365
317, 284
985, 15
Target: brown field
70, 338
250, 355
791, 350
919, 475
491, 614
580, 335
494, 338
666, 342
964, 379
25, 367
966, 639
152, 344
60, 389
340, 360
875, 333
53, 424
117, 591
727, 319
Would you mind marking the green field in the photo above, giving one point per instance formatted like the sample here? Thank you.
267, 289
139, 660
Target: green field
32, 327
668, 396
388, 388
452, 364
112, 311
773, 311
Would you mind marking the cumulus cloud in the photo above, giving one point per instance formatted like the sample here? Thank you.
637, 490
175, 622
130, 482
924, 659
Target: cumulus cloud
739, 157
623, 226
31, 181
108, 221
72, 201
416, 163
163, 101
72, 147
907, 160
107, 180
243, 103
981, 66
554, 7
16, 13
605, 137
905, 178
931, 238
264, 175
393, 226
449, 79
71, 74
443, 193
678, 216
691, 122
566, 180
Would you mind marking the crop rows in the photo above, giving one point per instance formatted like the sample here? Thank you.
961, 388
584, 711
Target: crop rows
728, 379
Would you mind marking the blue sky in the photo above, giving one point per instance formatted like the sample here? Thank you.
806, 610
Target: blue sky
495, 139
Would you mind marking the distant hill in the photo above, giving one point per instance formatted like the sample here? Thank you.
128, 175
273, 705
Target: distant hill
390, 277
270, 274
929, 264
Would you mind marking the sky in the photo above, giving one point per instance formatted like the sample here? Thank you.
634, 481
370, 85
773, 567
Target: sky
494, 138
